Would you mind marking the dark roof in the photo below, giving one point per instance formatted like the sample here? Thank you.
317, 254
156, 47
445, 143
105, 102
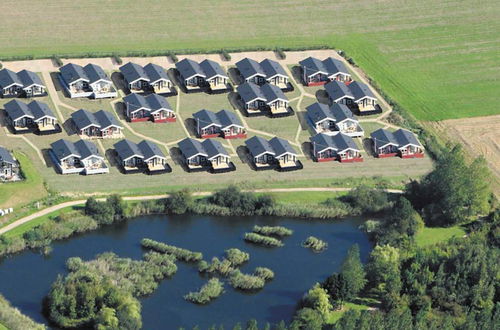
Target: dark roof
135, 101
312, 66
341, 112
6, 156
86, 149
40, 110
272, 68
322, 141
155, 72
63, 148
150, 150
126, 149
405, 137
156, 102
17, 109
212, 69
281, 146
29, 78
272, 93
344, 142
106, 119
206, 118
95, 73
73, 72
132, 72
189, 68
8, 77
83, 118
249, 68
334, 66
213, 148
228, 118
191, 147
318, 112
381, 137
250, 91
337, 90
258, 145
360, 90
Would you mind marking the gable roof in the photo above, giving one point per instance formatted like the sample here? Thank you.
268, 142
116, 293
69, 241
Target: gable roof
8, 78
6, 156
16, 110
127, 149
318, 112
191, 147
87, 149
156, 102
62, 149
249, 68
189, 68
106, 119
150, 150
83, 119
272, 68
250, 91
382, 137
360, 90
155, 72
95, 73
344, 142
213, 148
312, 66
272, 93
73, 72
258, 146
341, 112
40, 110
281, 146
135, 102
228, 118
334, 66
206, 118
405, 137
337, 90
212, 69
29, 78
132, 72
322, 142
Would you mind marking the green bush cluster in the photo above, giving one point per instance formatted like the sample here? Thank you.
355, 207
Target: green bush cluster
241, 203
225, 55
241, 281
173, 57
208, 292
118, 60
280, 53
106, 212
315, 244
13, 319
179, 253
57, 60
264, 273
368, 200
233, 259
262, 240
278, 231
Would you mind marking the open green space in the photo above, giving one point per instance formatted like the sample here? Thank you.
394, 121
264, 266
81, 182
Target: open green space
432, 235
359, 304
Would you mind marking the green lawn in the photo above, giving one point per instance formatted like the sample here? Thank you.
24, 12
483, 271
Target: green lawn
359, 304
3, 327
429, 236
305, 198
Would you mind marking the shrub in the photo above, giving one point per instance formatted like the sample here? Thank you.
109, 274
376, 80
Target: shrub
368, 200
236, 256
272, 230
225, 55
280, 53
118, 60
241, 203
173, 57
1, 66
222, 267
241, 281
12, 318
179, 253
315, 244
57, 60
264, 273
208, 292
262, 240
179, 202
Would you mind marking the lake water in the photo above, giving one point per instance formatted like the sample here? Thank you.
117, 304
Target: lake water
26, 278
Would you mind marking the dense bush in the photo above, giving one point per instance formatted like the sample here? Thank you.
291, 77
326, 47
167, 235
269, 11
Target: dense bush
118, 60
12, 319
105, 212
173, 57
208, 292
222, 267
272, 231
262, 240
368, 200
280, 53
57, 60
225, 55
264, 273
179, 253
241, 281
315, 244
242, 203
237, 257
179, 202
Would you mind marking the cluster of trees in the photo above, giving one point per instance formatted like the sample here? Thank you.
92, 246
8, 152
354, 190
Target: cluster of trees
233, 259
179, 253
106, 212
315, 244
208, 292
278, 231
241, 203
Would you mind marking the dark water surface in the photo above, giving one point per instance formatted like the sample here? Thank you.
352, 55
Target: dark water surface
26, 278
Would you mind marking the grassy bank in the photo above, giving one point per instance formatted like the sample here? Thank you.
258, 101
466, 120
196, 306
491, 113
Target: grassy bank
432, 235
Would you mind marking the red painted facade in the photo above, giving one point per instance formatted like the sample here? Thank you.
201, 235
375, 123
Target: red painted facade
236, 136
209, 136
351, 160
417, 155
317, 83
392, 154
329, 159
165, 120
136, 120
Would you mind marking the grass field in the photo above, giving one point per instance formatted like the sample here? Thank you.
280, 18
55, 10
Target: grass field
429, 236
438, 59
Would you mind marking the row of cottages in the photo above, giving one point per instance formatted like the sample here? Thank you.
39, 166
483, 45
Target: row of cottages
151, 107
9, 167
207, 73
316, 72
333, 119
88, 81
267, 71
150, 78
34, 116
269, 154
145, 155
22, 84
339, 147
101, 124
259, 100
357, 96
207, 155
224, 123
80, 157
401, 143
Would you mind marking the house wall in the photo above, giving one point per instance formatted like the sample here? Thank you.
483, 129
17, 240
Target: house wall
138, 85
264, 159
35, 91
259, 80
196, 161
278, 104
12, 91
278, 80
255, 105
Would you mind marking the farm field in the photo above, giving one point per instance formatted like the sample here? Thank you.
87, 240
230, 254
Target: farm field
441, 63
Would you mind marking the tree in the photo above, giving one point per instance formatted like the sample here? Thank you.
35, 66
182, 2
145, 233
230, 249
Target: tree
317, 299
179, 202
252, 325
383, 262
353, 272
336, 287
118, 205
307, 319
367, 200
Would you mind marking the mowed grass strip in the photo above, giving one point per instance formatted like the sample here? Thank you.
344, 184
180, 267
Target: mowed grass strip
429, 236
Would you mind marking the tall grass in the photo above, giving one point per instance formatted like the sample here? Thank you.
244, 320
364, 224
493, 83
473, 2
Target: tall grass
208, 292
263, 240
278, 231
179, 253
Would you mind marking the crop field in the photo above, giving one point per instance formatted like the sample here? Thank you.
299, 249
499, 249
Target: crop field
438, 59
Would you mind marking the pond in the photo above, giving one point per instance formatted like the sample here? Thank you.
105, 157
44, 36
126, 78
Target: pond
26, 278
